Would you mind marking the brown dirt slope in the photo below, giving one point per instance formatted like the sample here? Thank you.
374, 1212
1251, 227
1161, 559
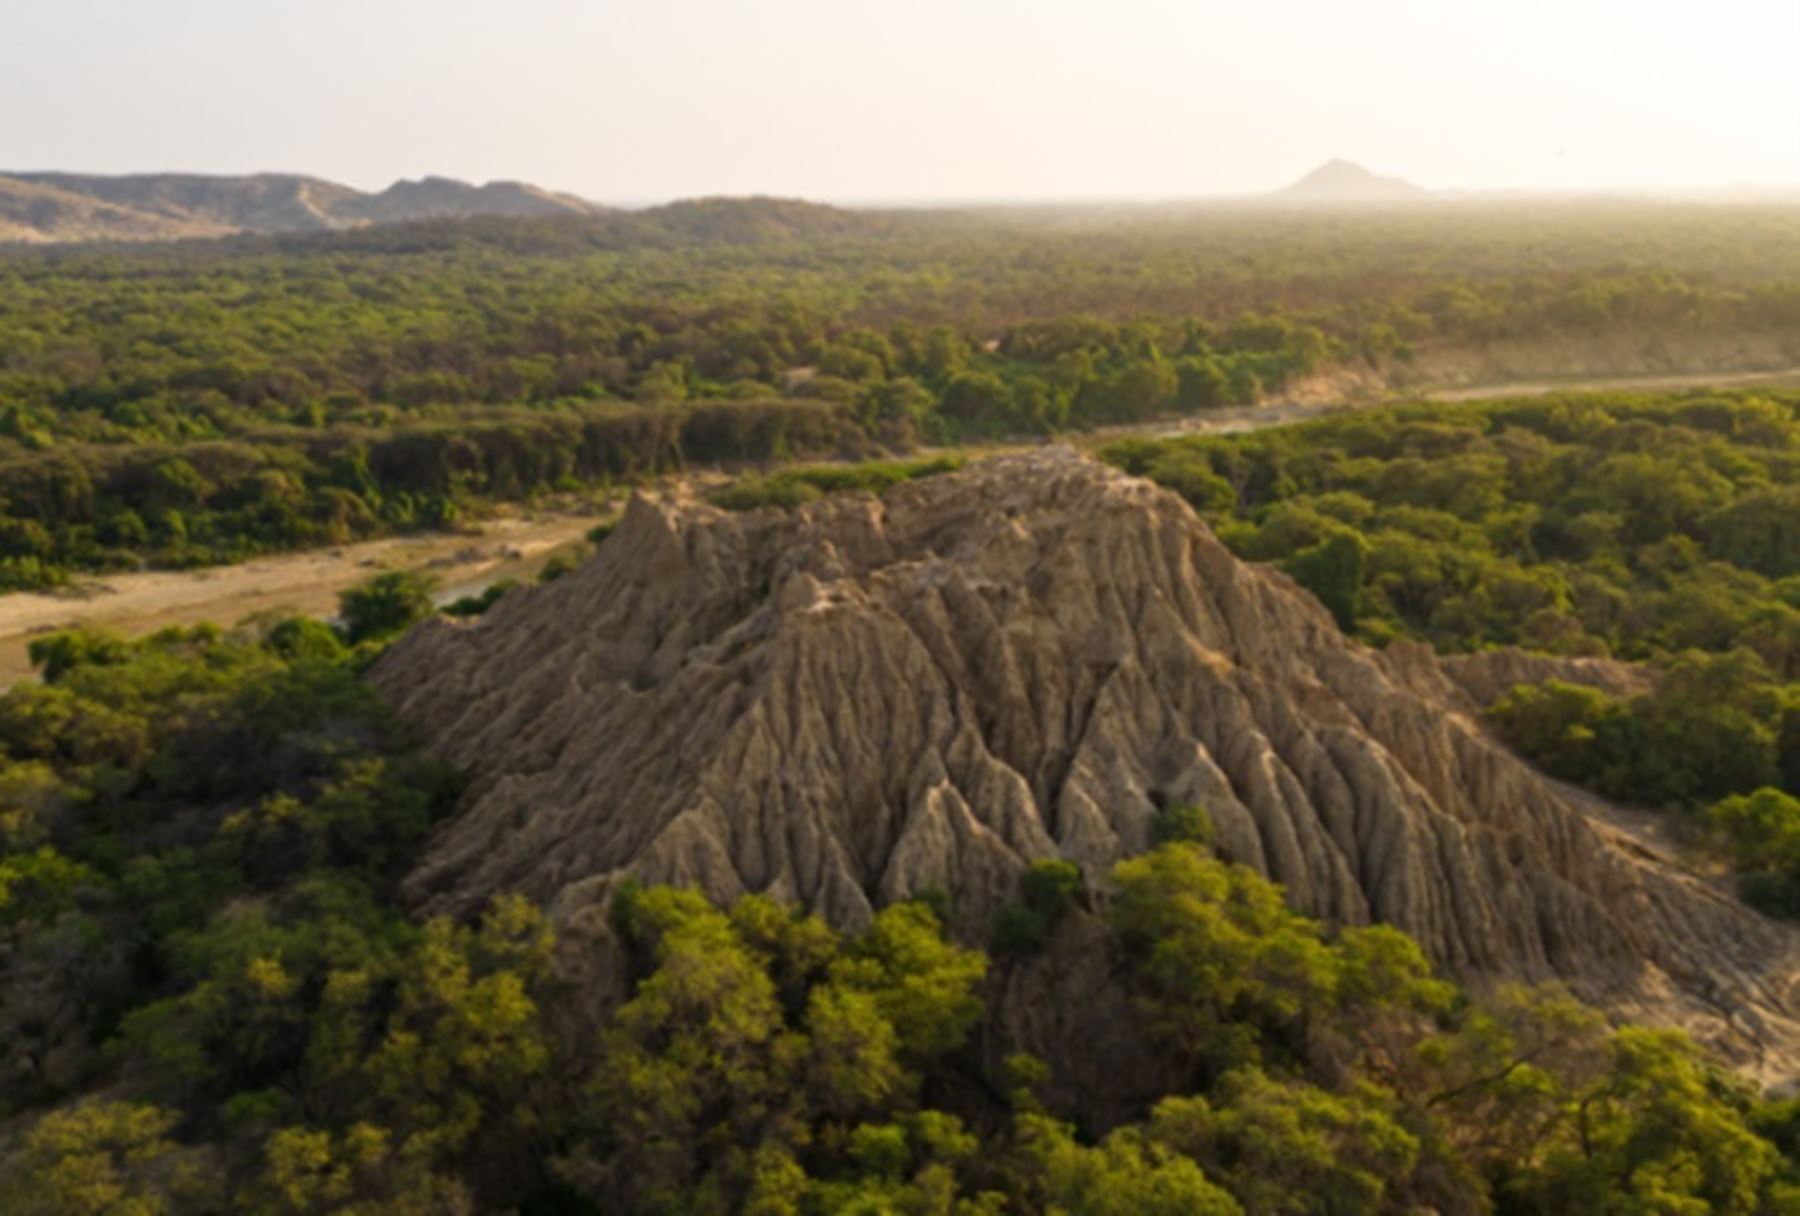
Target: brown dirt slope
864, 699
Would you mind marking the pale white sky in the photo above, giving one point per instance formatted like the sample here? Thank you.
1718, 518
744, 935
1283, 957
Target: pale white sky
846, 99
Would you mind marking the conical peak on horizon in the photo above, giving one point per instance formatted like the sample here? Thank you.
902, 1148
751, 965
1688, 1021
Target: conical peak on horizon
1339, 180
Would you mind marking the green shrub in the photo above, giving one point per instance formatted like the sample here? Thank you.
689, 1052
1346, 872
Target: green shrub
385, 605
1048, 889
1183, 822
487, 597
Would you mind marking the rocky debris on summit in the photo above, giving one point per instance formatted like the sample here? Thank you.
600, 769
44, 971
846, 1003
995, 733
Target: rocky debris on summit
865, 699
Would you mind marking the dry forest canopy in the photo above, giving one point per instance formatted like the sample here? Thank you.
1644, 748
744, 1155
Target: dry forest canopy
199, 402
216, 994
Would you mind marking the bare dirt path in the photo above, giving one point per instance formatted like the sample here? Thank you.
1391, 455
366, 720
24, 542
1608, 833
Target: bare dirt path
513, 545
516, 543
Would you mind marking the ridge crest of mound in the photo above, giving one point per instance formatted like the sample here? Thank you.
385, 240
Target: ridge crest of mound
863, 700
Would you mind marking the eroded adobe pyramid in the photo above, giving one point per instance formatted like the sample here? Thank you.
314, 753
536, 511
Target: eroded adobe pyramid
861, 699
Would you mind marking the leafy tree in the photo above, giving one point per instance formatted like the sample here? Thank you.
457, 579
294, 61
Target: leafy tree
1047, 889
1200, 384
755, 1040
1221, 958
1758, 532
105, 1159
1761, 834
921, 984
1574, 731
60, 653
1334, 571
1181, 823
1654, 1134
386, 605
476, 605
303, 637
1126, 1173
979, 401
1284, 1147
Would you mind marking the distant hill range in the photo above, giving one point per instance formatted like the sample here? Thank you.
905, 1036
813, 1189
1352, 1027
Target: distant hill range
1342, 181
55, 208
50, 207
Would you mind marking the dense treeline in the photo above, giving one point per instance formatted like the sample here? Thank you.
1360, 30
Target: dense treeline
1651, 528
924, 326
99, 507
117, 498
163, 344
214, 1003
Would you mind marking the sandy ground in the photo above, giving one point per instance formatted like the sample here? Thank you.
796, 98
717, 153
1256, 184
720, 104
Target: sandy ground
1788, 378
1234, 421
1306, 405
511, 546
515, 544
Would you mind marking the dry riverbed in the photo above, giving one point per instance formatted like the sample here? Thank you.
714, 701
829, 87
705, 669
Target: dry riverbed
515, 544
1787, 378
510, 546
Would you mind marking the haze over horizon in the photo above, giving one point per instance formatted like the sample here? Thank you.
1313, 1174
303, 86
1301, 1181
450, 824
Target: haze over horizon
937, 101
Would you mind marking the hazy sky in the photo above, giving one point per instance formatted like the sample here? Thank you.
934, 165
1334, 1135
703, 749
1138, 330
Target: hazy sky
845, 99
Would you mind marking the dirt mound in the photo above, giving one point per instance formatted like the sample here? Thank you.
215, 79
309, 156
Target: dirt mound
863, 700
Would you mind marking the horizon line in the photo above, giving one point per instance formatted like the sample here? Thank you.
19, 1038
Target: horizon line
1754, 190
